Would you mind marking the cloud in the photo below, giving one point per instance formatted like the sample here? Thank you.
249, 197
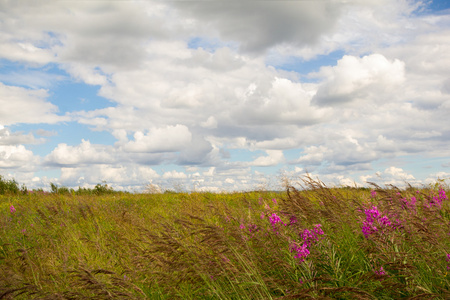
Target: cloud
14, 138
119, 176
273, 158
393, 176
97, 33
85, 153
174, 175
280, 101
21, 105
259, 25
210, 123
360, 79
313, 156
168, 139
12, 157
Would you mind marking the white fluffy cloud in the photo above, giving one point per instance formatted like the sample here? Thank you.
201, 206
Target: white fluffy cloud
168, 139
21, 105
12, 157
371, 77
273, 158
85, 153
14, 138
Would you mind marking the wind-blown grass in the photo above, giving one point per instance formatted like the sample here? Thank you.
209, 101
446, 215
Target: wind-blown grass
317, 243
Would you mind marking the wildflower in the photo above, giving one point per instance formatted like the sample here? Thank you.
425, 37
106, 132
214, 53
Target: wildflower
24, 231
242, 226
293, 220
373, 193
274, 201
437, 200
380, 272
373, 218
253, 228
301, 251
274, 219
12, 209
448, 261
311, 236
262, 216
372, 214
413, 202
442, 195
318, 229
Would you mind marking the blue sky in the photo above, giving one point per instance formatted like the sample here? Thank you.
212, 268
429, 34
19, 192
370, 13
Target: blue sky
224, 96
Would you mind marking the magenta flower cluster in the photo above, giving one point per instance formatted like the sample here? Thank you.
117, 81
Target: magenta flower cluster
301, 252
437, 200
448, 261
275, 219
12, 209
380, 272
309, 237
409, 204
374, 221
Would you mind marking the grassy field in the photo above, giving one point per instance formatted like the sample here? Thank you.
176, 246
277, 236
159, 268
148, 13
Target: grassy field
317, 243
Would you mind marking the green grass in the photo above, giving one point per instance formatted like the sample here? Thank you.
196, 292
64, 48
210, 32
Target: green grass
106, 245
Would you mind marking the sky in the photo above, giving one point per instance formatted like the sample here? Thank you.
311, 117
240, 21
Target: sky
220, 95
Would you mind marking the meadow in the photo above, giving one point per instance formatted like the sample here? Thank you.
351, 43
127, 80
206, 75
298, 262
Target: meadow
312, 242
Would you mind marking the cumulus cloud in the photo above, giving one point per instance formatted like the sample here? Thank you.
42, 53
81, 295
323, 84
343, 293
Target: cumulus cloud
119, 176
85, 153
392, 176
12, 157
174, 175
273, 158
168, 139
359, 79
21, 105
14, 138
280, 101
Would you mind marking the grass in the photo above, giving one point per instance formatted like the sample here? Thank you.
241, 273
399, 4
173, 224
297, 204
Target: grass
316, 243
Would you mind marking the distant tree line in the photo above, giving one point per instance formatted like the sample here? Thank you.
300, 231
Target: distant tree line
11, 186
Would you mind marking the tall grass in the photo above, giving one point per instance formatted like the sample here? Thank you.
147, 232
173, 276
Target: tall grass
314, 243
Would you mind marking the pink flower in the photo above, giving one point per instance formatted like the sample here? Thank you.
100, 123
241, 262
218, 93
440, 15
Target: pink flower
301, 251
373, 193
373, 218
12, 209
274, 219
380, 271
311, 236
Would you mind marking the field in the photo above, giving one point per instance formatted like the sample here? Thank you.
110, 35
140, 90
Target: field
310, 243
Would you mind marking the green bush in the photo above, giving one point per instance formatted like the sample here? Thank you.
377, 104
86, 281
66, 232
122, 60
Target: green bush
9, 186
